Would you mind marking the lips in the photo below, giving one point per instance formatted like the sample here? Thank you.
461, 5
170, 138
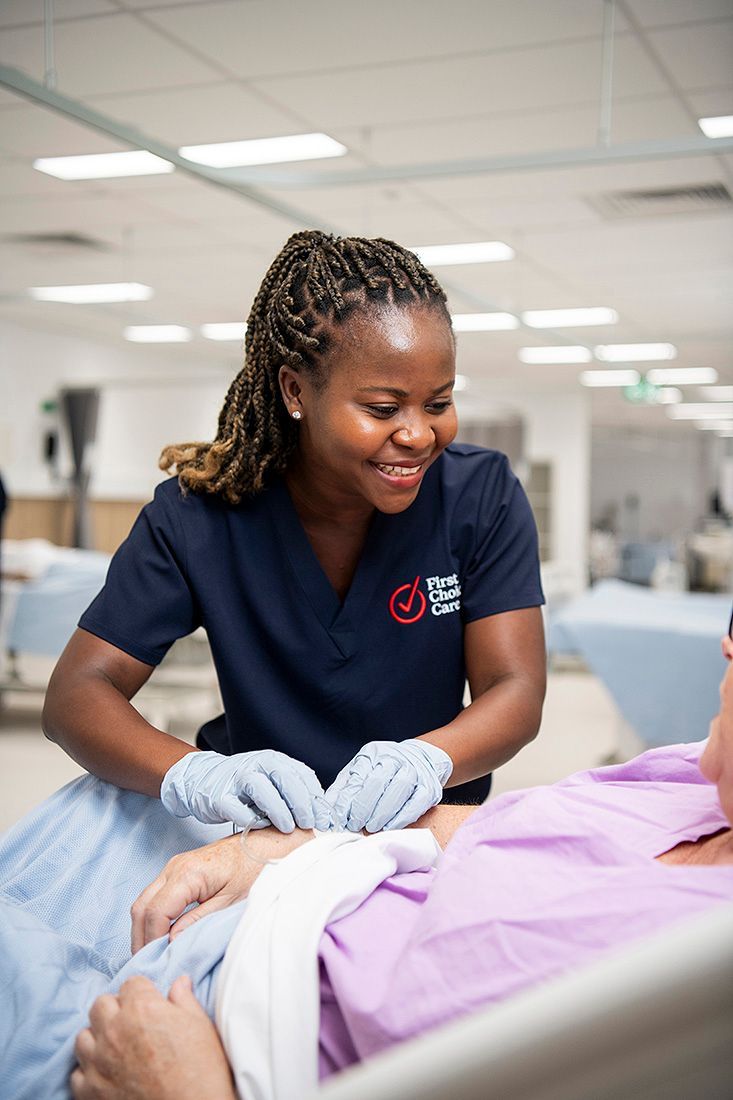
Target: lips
400, 475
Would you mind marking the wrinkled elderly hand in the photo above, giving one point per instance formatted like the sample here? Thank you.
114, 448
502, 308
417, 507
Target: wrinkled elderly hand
140, 1046
218, 875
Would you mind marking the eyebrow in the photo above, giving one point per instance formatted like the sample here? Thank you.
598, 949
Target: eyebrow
402, 393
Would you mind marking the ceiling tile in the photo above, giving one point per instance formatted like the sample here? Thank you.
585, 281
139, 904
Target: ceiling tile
35, 131
664, 13
115, 53
557, 76
494, 135
18, 13
699, 56
278, 37
197, 115
584, 182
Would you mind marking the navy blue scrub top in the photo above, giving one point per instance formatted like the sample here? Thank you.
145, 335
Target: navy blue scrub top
299, 671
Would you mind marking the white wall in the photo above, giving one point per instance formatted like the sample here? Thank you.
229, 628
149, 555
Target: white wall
671, 474
147, 400
557, 431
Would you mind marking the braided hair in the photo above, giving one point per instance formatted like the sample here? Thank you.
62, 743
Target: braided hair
314, 283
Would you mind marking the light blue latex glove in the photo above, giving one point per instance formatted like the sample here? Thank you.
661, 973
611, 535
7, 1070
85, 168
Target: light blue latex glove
241, 788
388, 785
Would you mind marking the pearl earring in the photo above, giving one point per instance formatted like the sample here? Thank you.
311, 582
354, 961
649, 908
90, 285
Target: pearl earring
296, 415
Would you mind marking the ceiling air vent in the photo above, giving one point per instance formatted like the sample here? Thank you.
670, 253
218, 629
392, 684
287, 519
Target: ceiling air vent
56, 242
656, 201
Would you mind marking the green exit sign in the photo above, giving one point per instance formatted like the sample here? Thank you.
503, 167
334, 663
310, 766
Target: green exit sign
643, 393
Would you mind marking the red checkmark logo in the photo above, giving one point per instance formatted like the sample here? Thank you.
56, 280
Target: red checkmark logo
411, 606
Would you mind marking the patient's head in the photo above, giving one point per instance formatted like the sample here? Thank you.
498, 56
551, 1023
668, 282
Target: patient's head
716, 762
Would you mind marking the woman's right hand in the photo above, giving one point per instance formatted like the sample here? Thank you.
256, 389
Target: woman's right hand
218, 875
250, 789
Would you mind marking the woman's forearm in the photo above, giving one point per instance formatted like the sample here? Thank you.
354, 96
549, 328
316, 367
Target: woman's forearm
97, 726
491, 730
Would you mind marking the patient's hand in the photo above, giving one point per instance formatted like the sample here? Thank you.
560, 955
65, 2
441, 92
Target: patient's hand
215, 876
140, 1046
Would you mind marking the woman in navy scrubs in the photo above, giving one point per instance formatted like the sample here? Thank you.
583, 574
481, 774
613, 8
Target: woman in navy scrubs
350, 564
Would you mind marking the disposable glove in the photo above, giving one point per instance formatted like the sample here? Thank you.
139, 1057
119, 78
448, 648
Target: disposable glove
244, 787
388, 785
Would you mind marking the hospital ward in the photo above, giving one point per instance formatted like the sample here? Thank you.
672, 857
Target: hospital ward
366, 550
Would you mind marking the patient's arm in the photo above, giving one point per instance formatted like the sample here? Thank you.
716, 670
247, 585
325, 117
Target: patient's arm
223, 873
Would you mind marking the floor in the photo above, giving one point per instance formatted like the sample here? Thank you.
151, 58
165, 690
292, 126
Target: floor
580, 729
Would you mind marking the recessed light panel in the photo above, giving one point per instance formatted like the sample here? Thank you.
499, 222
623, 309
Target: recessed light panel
717, 393
225, 330
277, 150
569, 318
669, 395
634, 353
157, 334
483, 322
575, 353
691, 410
97, 166
92, 293
717, 127
681, 376
478, 252
604, 378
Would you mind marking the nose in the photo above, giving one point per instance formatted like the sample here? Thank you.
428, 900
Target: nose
415, 432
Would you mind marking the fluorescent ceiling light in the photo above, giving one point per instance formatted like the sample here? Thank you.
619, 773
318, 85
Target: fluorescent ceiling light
99, 166
700, 411
569, 318
669, 395
157, 334
573, 354
713, 425
717, 127
609, 377
634, 353
480, 252
224, 330
483, 322
727, 433
681, 376
461, 383
717, 393
92, 293
237, 154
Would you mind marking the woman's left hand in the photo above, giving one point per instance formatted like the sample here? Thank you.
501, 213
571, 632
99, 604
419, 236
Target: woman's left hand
388, 785
139, 1044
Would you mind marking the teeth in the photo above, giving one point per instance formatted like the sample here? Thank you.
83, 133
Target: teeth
397, 471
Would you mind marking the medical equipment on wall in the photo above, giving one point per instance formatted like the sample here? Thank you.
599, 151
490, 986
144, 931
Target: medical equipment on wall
79, 408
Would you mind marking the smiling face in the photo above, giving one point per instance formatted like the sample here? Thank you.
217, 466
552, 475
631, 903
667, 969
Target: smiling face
716, 762
383, 413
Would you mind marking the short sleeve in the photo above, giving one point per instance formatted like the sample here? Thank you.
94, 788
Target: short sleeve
146, 602
503, 573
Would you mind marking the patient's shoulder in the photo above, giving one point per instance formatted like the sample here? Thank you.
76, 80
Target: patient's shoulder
666, 764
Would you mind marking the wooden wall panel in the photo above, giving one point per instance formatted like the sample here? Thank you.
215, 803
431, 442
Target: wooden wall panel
51, 518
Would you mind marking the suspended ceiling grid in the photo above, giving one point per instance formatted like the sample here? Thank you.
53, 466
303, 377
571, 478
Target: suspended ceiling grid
400, 84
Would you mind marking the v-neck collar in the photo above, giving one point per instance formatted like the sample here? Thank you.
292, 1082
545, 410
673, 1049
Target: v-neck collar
339, 620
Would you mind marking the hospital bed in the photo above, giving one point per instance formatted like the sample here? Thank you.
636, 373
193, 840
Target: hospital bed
48, 589
657, 653
653, 1021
